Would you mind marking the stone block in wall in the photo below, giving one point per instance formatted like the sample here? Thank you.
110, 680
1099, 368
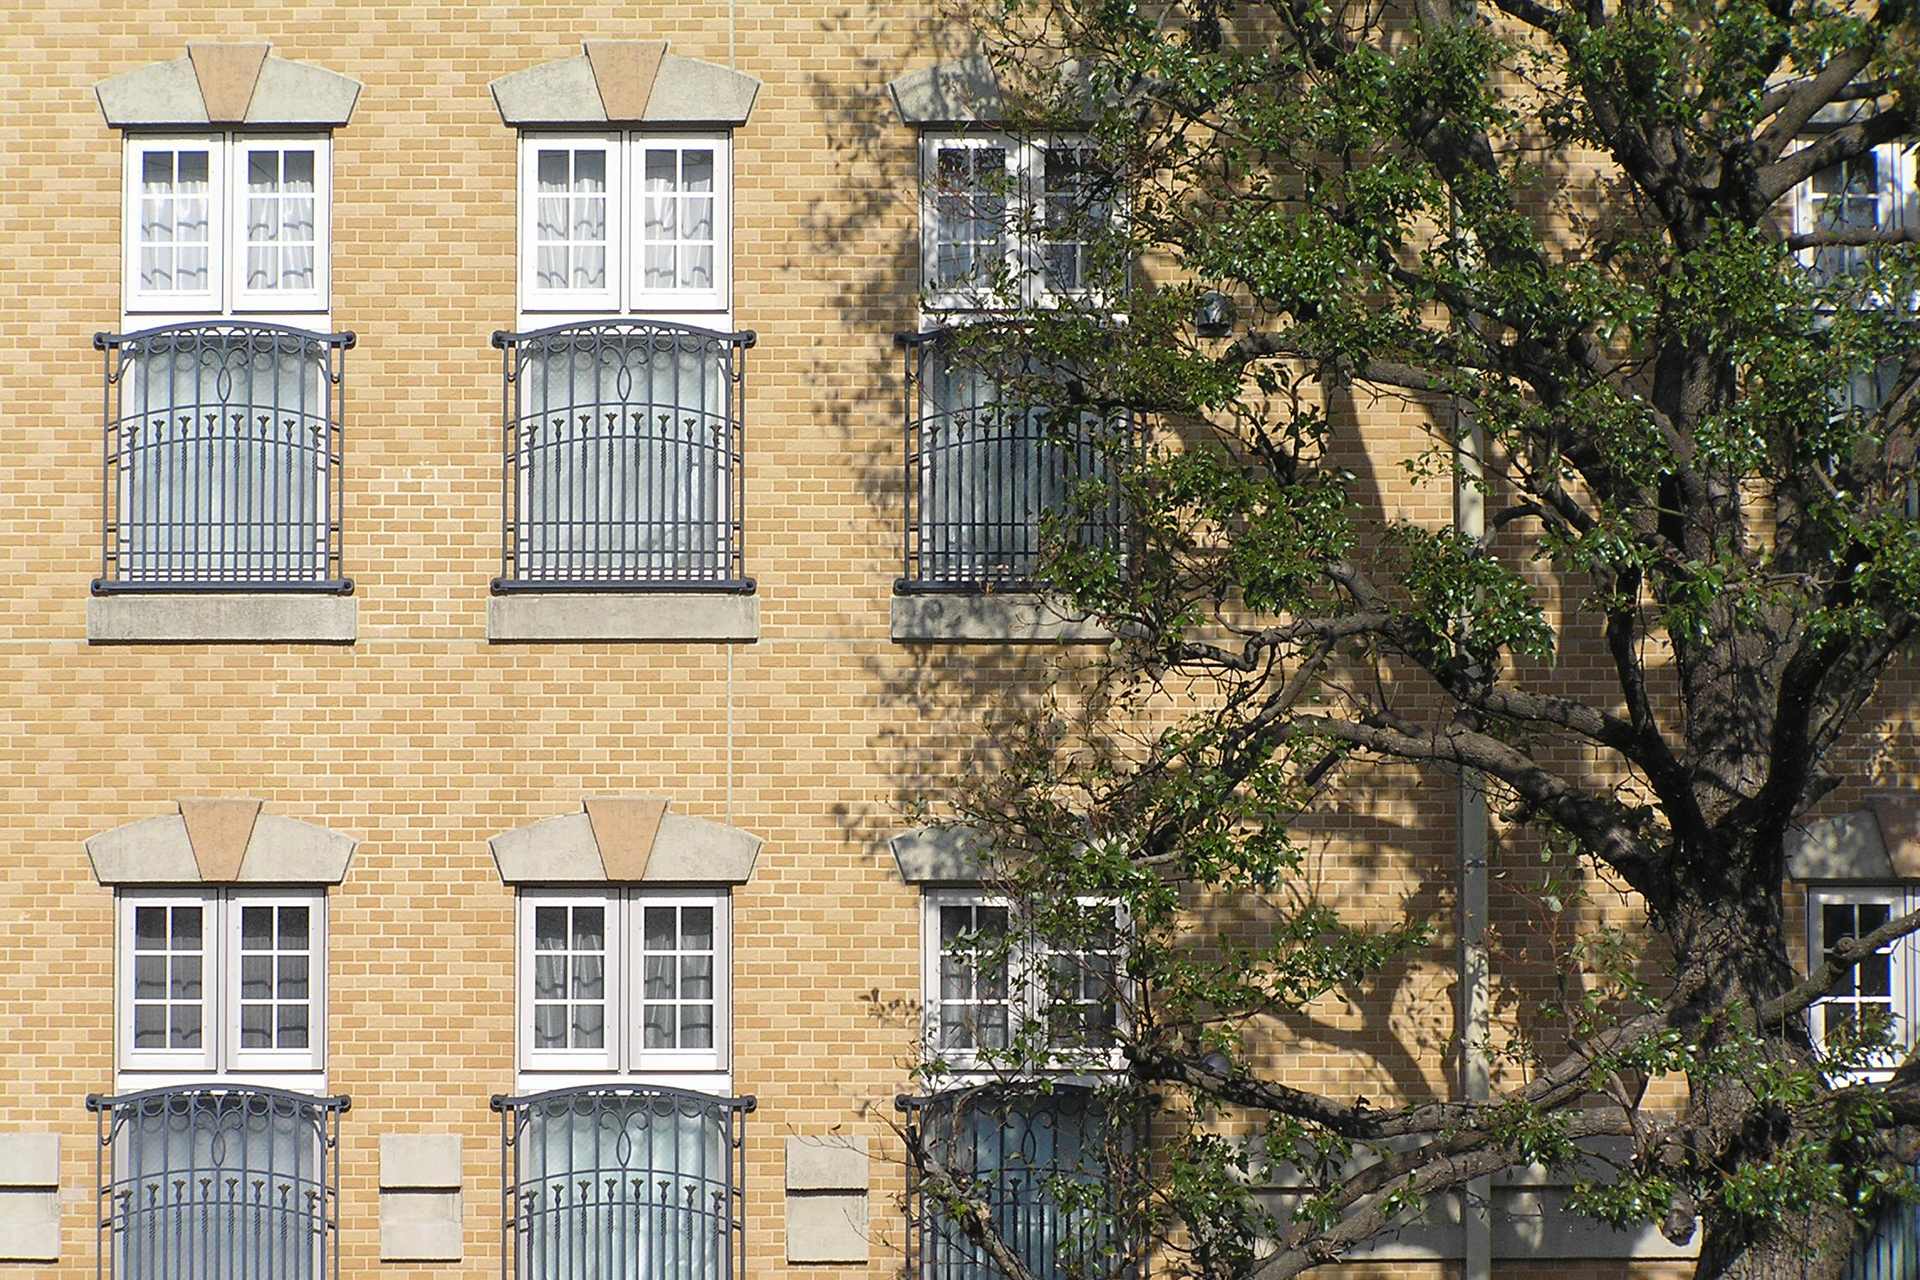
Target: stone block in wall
29, 1197
827, 1191
422, 1216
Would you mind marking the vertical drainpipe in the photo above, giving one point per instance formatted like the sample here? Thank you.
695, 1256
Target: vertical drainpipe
1476, 1218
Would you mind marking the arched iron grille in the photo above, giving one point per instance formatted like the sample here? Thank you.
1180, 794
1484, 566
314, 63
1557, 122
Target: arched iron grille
213, 1181
617, 1182
222, 459
1049, 1164
622, 463
1891, 1250
985, 470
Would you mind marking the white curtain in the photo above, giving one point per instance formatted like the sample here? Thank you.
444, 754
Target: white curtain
223, 446
623, 1188
217, 1186
623, 452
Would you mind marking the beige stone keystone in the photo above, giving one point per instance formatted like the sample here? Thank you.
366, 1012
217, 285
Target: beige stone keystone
219, 830
625, 828
227, 74
623, 71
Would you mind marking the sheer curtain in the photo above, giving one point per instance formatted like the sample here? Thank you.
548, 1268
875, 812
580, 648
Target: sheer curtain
617, 1187
623, 458
223, 1186
223, 450
1020, 1150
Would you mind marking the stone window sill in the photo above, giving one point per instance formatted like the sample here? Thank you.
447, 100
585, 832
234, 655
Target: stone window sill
990, 619
222, 618
537, 617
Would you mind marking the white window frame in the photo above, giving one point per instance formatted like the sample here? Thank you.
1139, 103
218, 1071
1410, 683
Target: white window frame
220, 1052
625, 293
227, 293
623, 1054
1024, 245
1904, 953
1026, 987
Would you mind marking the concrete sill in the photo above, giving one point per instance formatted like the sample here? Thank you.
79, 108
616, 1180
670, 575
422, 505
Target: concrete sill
222, 618
537, 617
995, 619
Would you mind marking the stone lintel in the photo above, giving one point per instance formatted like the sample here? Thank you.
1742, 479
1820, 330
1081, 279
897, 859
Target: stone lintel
962, 92
565, 850
278, 850
1846, 847
938, 856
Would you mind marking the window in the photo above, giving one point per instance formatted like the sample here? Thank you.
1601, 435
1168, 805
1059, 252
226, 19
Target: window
1008, 221
238, 1183
997, 990
632, 223
987, 467
227, 223
223, 400
221, 982
1883, 986
623, 982
622, 1182
1048, 1166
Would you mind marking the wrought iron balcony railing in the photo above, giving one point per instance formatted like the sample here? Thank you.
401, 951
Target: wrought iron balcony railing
620, 1182
214, 1181
1049, 1165
986, 470
622, 458
222, 459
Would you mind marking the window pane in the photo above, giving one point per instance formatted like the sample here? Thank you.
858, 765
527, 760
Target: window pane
660, 928
550, 928
589, 928
696, 978
589, 1026
149, 1026
256, 1026
293, 977
696, 1026
657, 983
256, 977
589, 978
550, 1026
186, 928
293, 1026
293, 928
549, 977
150, 928
149, 978
184, 1026
256, 929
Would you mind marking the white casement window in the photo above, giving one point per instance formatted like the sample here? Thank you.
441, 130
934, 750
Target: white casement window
623, 981
994, 985
625, 223
1884, 985
1874, 191
227, 223
222, 981
1009, 221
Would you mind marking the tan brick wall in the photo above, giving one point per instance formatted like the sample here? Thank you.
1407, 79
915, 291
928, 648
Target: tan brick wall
421, 739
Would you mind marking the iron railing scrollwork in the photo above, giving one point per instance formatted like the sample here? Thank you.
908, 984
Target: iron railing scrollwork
622, 1182
1049, 1164
987, 469
238, 1183
621, 462
222, 452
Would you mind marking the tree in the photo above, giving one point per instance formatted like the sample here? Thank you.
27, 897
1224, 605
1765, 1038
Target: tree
1560, 232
